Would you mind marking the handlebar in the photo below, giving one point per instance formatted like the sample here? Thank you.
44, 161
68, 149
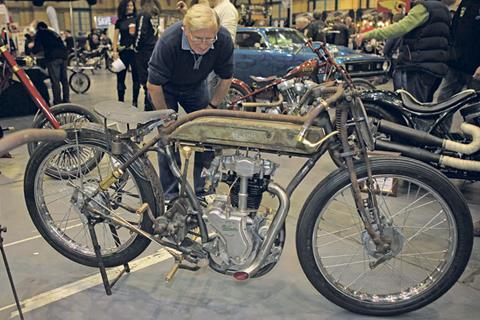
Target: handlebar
19, 138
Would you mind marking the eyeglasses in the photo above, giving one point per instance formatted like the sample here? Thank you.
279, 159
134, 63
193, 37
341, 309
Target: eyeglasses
203, 40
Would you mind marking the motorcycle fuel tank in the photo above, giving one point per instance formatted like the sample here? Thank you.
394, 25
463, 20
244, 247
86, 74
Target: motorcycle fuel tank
248, 133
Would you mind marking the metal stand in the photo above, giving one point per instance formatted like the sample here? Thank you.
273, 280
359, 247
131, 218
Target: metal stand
4, 256
126, 268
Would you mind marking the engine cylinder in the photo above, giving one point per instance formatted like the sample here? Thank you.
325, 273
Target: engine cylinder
256, 187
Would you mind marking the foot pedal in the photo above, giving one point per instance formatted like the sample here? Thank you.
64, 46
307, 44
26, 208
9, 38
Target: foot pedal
179, 265
169, 276
141, 210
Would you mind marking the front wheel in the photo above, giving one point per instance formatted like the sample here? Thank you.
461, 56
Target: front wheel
60, 208
421, 211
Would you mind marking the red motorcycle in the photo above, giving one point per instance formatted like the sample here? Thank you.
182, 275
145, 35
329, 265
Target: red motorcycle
46, 117
282, 95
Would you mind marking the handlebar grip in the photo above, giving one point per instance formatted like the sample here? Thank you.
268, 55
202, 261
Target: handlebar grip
19, 138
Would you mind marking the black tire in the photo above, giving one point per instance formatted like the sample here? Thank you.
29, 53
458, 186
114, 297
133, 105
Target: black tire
363, 85
55, 206
67, 113
79, 82
108, 64
320, 269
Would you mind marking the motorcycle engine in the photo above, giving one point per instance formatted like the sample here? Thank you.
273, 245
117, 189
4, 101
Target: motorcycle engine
238, 226
292, 91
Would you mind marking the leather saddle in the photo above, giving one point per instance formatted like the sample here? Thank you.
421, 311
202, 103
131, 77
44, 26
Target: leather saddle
123, 113
413, 104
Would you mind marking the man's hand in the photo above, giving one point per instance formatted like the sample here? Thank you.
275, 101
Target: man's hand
30, 46
476, 75
115, 55
359, 39
182, 7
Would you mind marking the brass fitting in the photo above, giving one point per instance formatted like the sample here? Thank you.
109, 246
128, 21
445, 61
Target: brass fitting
141, 210
116, 174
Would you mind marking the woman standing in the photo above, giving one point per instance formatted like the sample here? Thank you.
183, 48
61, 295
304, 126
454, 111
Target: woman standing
147, 33
125, 27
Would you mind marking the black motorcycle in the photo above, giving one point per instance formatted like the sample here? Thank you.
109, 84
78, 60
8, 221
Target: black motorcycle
422, 130
92, 59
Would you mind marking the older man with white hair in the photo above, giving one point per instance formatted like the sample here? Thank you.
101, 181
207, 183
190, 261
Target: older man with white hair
183, 57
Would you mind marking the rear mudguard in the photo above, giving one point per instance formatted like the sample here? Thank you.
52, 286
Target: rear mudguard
241, 84
389, 101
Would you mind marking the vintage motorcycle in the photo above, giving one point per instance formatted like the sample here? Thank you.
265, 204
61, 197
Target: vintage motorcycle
282, 95
94, 58
421, 130
380, 236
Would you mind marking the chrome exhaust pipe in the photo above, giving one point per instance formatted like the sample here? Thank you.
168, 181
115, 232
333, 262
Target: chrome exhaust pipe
275, 227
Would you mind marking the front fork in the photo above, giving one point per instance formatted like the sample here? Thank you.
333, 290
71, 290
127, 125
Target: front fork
366, 203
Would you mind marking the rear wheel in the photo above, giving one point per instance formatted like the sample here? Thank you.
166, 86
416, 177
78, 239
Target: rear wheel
236, 92
60, 207
423, 214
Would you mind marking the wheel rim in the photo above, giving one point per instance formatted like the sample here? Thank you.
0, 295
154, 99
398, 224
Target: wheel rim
342, 253
59, 204
80, 82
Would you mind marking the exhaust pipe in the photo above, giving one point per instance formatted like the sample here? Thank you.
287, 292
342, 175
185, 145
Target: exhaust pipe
426, 156
264, 104
425, 138
412, 152
469, 148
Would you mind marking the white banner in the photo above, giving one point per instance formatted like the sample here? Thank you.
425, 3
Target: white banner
52, 16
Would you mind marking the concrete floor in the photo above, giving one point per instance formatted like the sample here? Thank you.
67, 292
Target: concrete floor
52, 287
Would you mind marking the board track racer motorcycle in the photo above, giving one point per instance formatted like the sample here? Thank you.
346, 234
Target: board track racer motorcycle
379, 236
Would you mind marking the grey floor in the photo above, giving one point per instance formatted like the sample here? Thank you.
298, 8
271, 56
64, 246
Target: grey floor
52, 287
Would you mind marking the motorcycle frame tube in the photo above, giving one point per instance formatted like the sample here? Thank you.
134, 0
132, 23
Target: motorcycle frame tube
166, 147
34, 94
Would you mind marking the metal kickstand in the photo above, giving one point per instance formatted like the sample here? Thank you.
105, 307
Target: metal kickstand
10, 278
126, 268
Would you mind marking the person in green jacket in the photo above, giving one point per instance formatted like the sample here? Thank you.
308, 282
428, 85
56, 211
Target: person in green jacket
425, 33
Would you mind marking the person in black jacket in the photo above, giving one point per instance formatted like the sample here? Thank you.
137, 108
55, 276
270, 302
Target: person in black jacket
146, 37
56, 55
464, 66
125, 28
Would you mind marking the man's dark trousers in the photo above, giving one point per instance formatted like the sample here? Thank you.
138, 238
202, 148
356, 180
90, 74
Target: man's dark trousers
57, 70
191, 99
420, 84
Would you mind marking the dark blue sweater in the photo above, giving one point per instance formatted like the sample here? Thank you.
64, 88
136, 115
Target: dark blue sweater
173, 66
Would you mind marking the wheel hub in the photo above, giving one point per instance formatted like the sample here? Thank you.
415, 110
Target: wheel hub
397, 241
88, 205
